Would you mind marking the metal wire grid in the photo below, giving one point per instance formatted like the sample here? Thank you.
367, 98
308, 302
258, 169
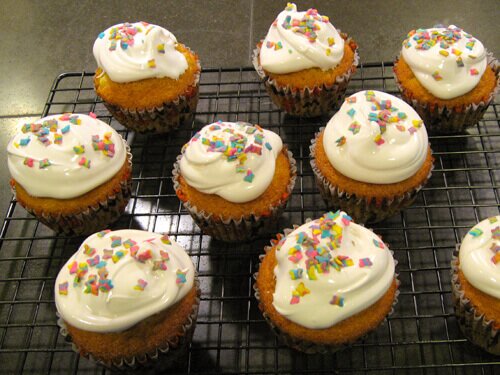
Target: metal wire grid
421, 336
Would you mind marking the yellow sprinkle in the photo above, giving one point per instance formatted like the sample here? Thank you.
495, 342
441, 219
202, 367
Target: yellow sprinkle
417, 123
152, 63
312, 274
328, 51
331, 41
443, 52
337, 229
302, 290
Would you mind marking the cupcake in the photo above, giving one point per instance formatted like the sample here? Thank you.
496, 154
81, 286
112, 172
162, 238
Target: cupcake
305, 63
447, 76
373, 156
72, 172
475, 273
326, 284
234, 179
128, 298
147, 80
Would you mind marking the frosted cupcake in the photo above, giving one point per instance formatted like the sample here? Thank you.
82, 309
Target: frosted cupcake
71, 171
305, 63
128, 298
447, 76
147, 80
475, 271
373, 156
234, 179
326, 284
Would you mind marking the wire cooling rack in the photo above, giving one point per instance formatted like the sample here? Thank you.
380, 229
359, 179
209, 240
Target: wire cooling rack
421, 337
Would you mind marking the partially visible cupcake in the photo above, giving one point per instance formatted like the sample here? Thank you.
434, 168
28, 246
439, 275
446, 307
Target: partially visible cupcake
447, 76
128, 298
373, 156
234, 179
147, 80
326, 284
73, 172
305, 62
475, 272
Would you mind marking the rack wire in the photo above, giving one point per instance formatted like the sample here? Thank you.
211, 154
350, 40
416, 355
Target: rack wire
421, 337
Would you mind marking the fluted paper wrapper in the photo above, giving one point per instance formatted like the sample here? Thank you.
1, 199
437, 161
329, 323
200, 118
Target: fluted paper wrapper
473, 324
307, 102
241, 229
161, 359
94, 218
448, 120
162, 119
305, 346
360, 209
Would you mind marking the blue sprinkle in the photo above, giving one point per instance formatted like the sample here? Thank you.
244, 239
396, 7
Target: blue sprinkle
101, 35
268, 146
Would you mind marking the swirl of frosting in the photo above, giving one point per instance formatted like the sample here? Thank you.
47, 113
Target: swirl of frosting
301, 40
118, 278
479, 256
65, 156
130, 52
376, 138
233, 160
448, 62
330, 269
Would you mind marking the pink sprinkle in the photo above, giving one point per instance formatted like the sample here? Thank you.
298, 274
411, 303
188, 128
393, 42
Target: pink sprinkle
73, 268
365, 262
92, 114
133, 250
294, 300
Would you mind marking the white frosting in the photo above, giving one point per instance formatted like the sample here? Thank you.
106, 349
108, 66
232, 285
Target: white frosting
67, 176
131, 52
222, 158
124, 304
448, 62
359, 287
367, 153
292, 45
480, 256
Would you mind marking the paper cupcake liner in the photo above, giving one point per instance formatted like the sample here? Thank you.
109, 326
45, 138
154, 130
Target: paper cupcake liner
161, 358
447, 120
305, 346
472, 323
94, 218
362, 210
243, 228
162, 119
307, 102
